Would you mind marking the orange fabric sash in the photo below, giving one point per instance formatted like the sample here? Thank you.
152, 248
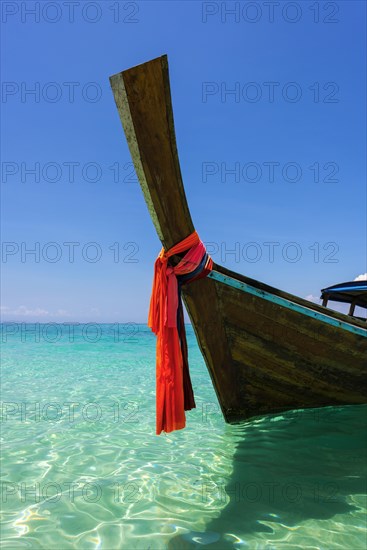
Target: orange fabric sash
173, 385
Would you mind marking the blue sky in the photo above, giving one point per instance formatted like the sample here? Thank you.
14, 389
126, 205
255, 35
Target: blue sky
311, 131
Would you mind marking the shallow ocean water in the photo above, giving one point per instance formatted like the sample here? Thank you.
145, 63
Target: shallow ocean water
82, 467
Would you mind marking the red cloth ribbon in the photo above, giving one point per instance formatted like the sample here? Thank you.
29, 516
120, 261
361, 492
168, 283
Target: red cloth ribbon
174, 393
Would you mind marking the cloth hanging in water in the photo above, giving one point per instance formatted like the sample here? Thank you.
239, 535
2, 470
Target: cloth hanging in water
174, 394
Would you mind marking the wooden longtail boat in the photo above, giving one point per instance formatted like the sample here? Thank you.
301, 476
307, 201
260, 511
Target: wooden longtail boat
266, 350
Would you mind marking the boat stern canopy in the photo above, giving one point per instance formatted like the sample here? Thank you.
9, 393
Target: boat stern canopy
353, 293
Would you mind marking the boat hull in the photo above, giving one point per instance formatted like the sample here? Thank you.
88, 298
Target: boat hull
279, 358
266, 350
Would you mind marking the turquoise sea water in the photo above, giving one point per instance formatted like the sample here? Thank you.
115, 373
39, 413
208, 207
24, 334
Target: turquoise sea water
82, 467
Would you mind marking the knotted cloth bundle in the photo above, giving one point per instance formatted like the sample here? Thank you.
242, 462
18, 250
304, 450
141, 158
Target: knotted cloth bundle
174, 394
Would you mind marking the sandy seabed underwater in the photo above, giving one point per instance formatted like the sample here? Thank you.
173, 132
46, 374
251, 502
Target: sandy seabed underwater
82, 467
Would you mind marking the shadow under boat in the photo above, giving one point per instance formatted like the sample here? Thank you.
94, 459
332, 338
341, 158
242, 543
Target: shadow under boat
287, 470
